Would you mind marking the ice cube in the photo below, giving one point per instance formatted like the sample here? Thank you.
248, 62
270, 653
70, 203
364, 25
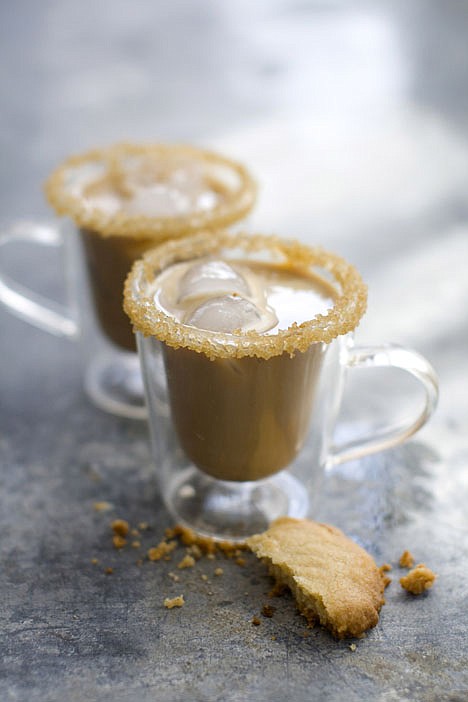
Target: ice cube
166, 188
190, 180
211, 278
206, 200
225, 314
159, 201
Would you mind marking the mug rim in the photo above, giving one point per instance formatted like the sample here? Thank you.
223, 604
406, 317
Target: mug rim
237, 203
345, 314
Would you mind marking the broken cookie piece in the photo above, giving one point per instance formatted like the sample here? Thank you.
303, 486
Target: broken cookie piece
333, 580
418, 580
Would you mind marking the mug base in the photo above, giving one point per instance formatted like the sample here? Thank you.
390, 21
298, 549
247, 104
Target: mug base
231, 510
114, 383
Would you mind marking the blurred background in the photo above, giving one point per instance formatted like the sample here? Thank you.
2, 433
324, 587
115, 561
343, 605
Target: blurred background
358, 109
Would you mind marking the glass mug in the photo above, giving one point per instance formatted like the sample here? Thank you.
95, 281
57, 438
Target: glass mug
242, 424
120, 201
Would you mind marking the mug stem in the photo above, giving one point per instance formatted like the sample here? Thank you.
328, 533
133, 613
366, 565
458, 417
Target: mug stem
389, 356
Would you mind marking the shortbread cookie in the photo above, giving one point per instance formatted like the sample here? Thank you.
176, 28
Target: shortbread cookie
333, 580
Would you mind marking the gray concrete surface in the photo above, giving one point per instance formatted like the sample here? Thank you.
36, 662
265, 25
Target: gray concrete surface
354, 117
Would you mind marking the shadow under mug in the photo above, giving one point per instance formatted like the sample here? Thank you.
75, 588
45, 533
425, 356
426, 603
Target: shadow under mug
95, 268
238, 442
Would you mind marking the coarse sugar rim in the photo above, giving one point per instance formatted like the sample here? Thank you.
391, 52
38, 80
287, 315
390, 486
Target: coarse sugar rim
235, 206
343, 317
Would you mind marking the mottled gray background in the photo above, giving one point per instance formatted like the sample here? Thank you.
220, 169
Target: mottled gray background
354, 118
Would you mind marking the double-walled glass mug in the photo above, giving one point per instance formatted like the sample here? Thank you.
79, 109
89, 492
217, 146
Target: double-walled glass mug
243, 415
119, 201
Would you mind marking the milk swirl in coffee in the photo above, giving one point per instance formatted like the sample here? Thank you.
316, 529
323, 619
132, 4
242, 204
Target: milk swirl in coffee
241, 418
236, 296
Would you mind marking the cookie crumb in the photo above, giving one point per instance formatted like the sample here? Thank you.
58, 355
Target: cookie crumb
406, 560
228, 548
162, 549
204, 577
108, 571
268, 611
383, 570
94, 561
169, 532
273, 638
134, 532
418, 580
136, 544
187, 536
120, 527
178, 601
186, 562
240, 562
174, 577
195, 551
218, 571
202, 545
118, 541
206, 544
143, 526
256, 621
352, 647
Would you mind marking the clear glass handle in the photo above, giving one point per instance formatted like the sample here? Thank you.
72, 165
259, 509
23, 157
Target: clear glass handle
24, 303
389, 356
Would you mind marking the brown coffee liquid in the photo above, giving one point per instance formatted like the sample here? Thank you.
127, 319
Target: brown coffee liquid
152, 189
245, 419
109, 259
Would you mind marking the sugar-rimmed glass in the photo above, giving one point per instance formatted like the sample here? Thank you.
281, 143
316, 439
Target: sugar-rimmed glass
229, 462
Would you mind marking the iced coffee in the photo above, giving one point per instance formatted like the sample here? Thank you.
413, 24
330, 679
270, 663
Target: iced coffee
127, 198
244, 323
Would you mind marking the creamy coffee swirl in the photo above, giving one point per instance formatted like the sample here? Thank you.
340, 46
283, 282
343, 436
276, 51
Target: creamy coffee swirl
238, 297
